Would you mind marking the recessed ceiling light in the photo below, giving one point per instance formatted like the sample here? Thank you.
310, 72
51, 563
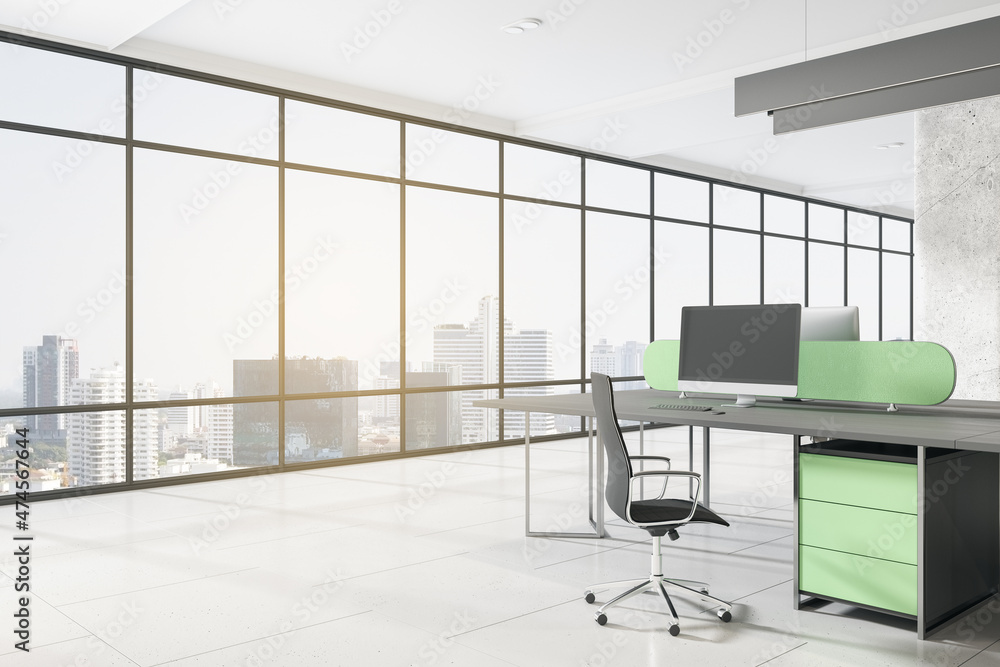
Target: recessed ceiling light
895, 144
517, 27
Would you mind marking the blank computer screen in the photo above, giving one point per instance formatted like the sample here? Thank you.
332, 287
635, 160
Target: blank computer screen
750, 344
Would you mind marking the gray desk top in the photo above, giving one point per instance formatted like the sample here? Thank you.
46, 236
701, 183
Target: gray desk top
951, 428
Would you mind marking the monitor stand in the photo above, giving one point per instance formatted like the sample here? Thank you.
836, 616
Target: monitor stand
742, 401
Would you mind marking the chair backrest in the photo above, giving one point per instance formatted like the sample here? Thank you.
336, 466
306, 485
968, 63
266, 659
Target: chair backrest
619, 466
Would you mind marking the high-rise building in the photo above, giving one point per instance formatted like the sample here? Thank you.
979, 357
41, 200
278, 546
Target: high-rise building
314, 428
475, 349
219, 431
433, 419
387, 406
621, 361
96, 441
629, 359
603, 358
210, 389
48, 373
181, 419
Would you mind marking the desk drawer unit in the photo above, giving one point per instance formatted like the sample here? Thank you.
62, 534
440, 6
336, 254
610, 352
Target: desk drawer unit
858, 531
858, 528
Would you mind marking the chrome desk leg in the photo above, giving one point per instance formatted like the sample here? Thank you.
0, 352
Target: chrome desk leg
642, 464
598, 524
706, 468
596, 481
691, 460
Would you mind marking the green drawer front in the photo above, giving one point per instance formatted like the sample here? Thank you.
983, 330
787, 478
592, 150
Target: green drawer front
861, 482
870, 581
859, 530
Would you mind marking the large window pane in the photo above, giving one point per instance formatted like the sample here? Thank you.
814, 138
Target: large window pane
447, 418
530, 172
452, 158
826, 275
541, 423
683, 198
48, 470
736, 268
784, 216
734, 207
206, 270
185, 112
190, 440
618, 280
862, 289
340, 139
896, 234
862, 229
322, 429
826, 223
255, 434
680, 262
56, 90
618, 187
895, 297
542, 292
62, 251
342, 274
95, 441
784, 271
452, 280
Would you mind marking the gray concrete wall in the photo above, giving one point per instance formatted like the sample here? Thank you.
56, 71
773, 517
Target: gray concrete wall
957, 240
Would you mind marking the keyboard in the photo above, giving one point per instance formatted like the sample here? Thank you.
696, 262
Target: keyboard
680, 406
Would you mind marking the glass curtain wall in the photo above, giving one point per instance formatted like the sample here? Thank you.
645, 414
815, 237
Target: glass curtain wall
209, 278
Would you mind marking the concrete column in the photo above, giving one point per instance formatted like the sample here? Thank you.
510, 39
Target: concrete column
957, 240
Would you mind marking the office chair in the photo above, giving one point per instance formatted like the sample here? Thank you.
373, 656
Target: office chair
659, 517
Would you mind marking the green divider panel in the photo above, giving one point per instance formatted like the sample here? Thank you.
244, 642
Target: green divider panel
659, 364
913, 373
906, 372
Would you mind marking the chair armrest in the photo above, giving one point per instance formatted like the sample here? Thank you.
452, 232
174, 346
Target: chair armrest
643, 457
667, 474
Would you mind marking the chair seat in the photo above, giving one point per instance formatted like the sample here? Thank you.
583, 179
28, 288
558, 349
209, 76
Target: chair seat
672, 509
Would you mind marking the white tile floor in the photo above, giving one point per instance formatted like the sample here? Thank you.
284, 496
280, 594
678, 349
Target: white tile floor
424, 562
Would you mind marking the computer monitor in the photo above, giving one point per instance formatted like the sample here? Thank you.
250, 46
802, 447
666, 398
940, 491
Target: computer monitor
747, 350
830, 323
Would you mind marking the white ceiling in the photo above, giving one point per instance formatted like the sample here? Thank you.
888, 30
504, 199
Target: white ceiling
650, 80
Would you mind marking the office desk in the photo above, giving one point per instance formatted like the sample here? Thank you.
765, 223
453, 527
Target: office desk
955, 425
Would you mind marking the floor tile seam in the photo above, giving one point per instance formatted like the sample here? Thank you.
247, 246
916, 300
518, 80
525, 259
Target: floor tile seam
761, 590
471, 525
152, 588
603, 550
44, 556
444, 635
35, 646
783, 653
979, 652
397, 567
760, 544
262, 638
289, 537
458, 636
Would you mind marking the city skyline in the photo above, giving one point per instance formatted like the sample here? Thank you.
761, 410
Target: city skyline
206, 438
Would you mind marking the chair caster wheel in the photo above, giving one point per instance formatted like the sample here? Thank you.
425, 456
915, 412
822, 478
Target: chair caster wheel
589, 597
600, 618
675, 630
725, 616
